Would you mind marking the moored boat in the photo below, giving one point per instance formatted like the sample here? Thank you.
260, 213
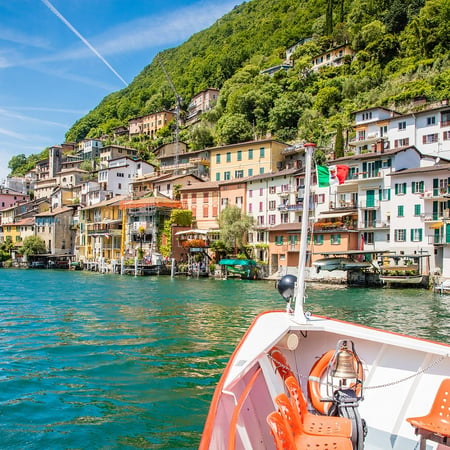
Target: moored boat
339, 263
360, 384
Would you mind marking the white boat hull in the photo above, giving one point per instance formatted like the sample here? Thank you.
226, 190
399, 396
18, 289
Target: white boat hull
401, 279
402, 374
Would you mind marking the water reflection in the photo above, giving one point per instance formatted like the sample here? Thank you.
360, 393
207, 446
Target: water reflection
133, 362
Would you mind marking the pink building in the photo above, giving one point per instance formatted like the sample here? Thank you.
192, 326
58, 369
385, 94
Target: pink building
9, 197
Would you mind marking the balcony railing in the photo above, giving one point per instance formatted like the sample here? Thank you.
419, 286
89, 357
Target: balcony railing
293, 207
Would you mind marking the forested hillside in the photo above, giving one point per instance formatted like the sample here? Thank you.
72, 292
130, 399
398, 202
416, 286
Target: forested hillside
402, 52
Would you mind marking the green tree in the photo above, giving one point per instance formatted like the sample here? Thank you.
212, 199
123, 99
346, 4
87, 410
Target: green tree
233, 128
339, 142
16, 162
234, 227
201, 136
33, 245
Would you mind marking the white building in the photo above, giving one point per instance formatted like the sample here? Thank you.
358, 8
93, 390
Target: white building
116, 178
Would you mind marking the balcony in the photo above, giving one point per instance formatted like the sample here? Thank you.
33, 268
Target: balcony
373, 225
343, 205
293, 207
105, 232
369, 204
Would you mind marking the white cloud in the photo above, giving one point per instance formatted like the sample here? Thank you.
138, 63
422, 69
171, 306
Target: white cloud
13, 115
18, 37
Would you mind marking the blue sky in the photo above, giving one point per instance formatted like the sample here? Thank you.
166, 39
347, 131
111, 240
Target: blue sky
60, 58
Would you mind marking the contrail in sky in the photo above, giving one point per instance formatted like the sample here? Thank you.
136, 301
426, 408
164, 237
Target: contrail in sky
85, 41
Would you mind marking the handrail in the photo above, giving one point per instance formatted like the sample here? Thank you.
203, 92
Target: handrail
237, 410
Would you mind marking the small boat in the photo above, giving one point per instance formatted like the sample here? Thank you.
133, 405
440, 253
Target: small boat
443, 287
339, 263
298, 381
402, 279
243, 268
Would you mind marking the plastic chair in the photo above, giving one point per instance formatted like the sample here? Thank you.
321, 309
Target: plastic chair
435, 426
312, 423
282, 435
303, 440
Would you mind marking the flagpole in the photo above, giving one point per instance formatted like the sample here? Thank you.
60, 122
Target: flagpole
299, 314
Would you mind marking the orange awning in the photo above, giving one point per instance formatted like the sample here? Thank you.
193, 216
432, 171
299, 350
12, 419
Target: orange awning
157, 202
437, 225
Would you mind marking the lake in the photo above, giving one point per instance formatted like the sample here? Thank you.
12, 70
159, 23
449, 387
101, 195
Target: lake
121, 362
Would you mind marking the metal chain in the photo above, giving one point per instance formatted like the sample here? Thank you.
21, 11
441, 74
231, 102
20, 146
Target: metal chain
401, 380
392, 383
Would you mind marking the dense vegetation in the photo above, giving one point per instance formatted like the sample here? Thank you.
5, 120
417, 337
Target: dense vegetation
402, 52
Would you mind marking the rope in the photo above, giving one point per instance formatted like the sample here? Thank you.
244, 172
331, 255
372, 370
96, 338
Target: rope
392, 383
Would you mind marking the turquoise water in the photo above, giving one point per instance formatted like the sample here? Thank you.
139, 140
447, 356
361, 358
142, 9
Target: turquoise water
109, 362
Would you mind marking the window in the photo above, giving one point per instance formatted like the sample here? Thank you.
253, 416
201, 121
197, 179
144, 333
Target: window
416, 234
260, 220
400, 188
400, 211
250, 208
239, 201
417, 186
260, 236
217, 176
228, 156
430, 138
250, 172
417, 210
446, 135
318, 239
272, 219
272, 189
400, 235
285, 217
205, 197
401, 142
250, 153
226, 176
261, 206
261, 152
239, 155
293, 239
261, 170
239, 174
335, 239
445, 118
385, 194
272, 205
278, 240
402, 125
261, 192
368, 237
218, 158
431, 120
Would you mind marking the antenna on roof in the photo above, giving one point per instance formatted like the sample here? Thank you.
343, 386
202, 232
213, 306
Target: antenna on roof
178, 100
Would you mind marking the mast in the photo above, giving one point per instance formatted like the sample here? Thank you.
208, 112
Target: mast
299, 313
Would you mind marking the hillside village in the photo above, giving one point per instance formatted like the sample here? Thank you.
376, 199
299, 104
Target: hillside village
394, 202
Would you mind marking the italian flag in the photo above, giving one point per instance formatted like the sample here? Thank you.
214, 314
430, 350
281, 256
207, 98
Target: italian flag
331, 175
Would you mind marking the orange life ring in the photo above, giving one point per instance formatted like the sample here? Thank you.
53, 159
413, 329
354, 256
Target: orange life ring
280, 363
315, 380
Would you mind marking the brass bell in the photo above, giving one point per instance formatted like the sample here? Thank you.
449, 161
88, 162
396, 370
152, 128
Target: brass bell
345, 367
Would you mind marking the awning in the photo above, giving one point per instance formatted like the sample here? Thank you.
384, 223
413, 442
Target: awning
181, 233
437, 225
333, 215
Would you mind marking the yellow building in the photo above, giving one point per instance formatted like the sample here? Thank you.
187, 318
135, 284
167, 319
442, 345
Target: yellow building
101, 231
245, 159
